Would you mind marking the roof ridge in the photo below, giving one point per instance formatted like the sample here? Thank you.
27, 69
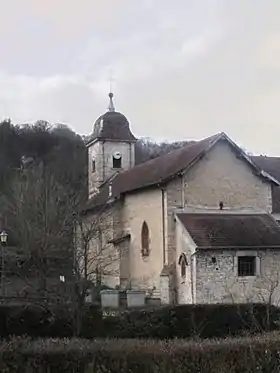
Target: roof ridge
266, 156
223, 212
174, 151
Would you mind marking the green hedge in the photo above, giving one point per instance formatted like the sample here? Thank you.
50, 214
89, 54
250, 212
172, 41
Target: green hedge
42, 321
256, 354
204, 321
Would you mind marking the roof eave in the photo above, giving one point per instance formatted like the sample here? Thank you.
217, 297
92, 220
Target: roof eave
217, 247
101, 138
91, 142
158, 184
92, 209
269, 177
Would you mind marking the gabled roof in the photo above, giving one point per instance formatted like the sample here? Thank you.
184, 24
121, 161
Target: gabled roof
231, 230
268, 164
272, 166
162, 169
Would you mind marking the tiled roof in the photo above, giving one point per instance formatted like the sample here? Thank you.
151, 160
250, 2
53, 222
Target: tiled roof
272, 166
226, 229
161, 169
153, 172
275, 199
268, 164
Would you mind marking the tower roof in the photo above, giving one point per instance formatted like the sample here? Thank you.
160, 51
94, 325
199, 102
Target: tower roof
112, 125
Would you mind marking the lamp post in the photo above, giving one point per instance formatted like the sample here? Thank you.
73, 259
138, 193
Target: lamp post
3, 240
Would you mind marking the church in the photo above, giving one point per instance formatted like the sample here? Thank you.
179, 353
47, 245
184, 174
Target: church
196, 225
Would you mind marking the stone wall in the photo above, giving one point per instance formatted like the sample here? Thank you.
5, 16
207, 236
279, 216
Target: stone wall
185, 286
217, 277
219, 176
126, 150
223, 176
174, 192
103, 154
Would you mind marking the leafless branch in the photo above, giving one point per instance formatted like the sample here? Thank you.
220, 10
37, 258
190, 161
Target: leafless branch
57, 239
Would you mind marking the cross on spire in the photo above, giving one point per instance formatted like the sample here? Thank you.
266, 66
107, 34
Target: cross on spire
111, 106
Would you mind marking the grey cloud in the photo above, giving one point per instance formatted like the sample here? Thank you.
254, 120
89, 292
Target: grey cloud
183, 69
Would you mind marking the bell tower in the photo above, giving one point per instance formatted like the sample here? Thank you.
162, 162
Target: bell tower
111, 148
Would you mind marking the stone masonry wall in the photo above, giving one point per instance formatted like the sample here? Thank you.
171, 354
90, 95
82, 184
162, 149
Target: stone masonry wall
103, 154
174, 202
94, 178
219, 176
184, 285
222, 176
127, 152
218, 282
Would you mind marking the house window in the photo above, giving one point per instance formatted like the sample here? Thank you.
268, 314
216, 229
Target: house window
117, 160
93, 165
145, 239
246, 266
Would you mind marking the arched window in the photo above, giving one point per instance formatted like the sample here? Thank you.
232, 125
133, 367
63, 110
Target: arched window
183, 262
145, 239
93, 165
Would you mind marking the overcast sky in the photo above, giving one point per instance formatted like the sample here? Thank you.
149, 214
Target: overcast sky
183, 69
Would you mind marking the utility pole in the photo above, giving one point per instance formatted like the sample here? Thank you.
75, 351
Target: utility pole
3, 240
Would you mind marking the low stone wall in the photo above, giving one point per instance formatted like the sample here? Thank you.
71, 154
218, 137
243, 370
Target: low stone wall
112, 298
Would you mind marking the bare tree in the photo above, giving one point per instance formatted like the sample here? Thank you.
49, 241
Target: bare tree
63, 253
41, 228
266, 290
96, 261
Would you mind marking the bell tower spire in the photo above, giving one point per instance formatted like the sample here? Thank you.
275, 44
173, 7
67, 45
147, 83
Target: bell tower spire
111, 106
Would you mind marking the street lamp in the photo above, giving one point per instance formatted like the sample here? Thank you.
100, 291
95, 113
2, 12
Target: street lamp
3, 240
3, 237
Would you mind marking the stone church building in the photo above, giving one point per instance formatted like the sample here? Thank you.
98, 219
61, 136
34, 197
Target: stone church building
196, 225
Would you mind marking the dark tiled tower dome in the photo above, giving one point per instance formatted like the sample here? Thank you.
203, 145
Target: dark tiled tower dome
112, 125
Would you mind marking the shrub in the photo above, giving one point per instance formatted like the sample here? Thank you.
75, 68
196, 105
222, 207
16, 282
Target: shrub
255, 354
38, 321
204, 321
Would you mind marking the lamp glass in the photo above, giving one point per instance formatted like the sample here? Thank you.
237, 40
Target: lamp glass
3, 237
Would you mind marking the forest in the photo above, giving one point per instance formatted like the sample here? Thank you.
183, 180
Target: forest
43, 185
61, 151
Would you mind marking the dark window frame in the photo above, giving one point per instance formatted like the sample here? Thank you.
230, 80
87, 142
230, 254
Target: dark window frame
117, 162
246, 266
183, 262
93, 165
